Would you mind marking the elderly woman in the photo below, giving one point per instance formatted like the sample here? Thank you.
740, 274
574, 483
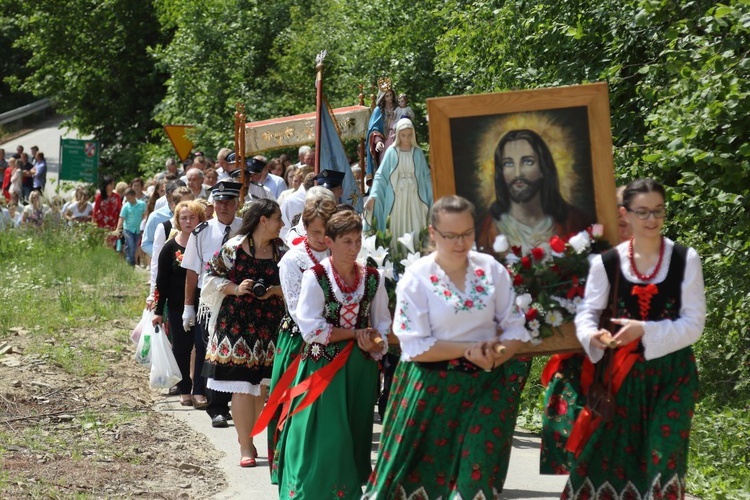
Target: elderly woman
402, 188
243, 293
170, 290
343, 316
449, 422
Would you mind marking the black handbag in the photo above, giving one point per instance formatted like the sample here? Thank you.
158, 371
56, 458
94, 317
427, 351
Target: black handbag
600, 401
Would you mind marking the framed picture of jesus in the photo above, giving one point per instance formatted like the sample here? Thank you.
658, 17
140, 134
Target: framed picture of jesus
535, 163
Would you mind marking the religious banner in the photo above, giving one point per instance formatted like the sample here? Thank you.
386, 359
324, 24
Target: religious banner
293, 131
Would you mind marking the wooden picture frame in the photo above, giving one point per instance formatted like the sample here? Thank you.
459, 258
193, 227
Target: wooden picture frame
574, 124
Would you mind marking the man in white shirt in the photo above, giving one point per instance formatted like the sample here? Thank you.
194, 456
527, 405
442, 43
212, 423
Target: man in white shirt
301, 153
294, 204
222, 167
206, 239
194, 180
276, 184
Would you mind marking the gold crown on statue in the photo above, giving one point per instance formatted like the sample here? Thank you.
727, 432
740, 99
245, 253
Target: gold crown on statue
385, 84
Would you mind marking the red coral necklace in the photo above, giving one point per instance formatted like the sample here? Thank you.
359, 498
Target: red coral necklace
634, 267
310, 254
340, 282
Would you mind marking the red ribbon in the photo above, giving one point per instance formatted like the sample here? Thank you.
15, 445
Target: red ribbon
553, 366
312, 387
645, 293
586, 423
299, 239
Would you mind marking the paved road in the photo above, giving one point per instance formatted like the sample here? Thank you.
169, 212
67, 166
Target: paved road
523, 480
47, 138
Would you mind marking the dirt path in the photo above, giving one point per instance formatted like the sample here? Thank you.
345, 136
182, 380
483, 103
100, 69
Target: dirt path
65, 434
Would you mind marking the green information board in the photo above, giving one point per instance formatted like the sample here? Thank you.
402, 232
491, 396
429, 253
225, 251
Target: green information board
79, 160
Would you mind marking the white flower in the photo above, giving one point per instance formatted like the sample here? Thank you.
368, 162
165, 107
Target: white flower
511, 259
408, 241
534, 325
536, 341
388, 270
379, 255
597, 230
554, 318
368, 244
580, 241
501, 244
409, 260
523, 301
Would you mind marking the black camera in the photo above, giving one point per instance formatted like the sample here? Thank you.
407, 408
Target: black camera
260, 288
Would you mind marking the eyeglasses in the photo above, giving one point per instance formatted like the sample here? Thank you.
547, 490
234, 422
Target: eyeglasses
455, 237
643, 214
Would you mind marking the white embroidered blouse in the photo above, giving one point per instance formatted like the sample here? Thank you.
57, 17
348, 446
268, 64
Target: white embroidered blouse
662, 337
430, 307
311, 308
291, 266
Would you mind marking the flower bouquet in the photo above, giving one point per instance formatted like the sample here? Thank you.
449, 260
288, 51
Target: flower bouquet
549, 282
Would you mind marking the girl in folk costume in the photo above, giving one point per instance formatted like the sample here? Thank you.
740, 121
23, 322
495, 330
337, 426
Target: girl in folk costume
306, 254
243, 294
342, 312
449, 423
642, 451
564, 398
402, 188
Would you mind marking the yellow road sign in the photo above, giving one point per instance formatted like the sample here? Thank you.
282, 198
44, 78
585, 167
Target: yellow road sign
182, 145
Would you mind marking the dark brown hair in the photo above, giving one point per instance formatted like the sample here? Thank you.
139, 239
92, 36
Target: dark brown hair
342, 223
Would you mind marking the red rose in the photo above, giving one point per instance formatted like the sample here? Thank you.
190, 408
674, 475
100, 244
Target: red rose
447, 293
517, 280
557, 244
516, 250
537, 253
479, 272
433, 278
479, 289
526, 262
531, 314
469, 303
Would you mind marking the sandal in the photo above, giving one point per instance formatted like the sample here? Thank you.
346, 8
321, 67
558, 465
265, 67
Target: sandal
248, 462
186, 401
200, 402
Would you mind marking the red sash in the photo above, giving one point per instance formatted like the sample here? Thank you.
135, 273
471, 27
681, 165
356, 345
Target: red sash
553, 366
312, 387
586, 423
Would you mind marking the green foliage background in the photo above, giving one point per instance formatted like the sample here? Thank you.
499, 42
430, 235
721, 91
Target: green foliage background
679, 94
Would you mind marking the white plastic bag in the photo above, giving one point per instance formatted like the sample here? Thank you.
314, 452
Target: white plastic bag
143, 349
164, 369
146, 318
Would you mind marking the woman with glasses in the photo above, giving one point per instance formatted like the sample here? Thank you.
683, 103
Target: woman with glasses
449, 423
642, 451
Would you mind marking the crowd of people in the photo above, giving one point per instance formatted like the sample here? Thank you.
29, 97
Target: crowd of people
277, 325
24, 177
